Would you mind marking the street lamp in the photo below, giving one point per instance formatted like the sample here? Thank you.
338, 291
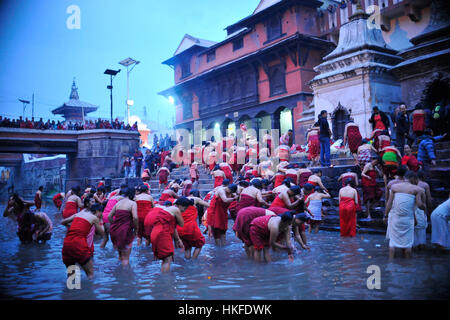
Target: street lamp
111, 73
127, 63
25, 102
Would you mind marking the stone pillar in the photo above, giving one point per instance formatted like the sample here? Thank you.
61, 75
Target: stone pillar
100, 154
293, 124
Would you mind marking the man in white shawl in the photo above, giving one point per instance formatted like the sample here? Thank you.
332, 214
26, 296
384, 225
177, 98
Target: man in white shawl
404, 198
440, 233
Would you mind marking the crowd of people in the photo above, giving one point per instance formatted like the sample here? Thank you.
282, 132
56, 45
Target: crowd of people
271, 199
139, 165
40, 124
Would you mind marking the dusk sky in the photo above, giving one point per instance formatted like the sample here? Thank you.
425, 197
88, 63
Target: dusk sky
40, 55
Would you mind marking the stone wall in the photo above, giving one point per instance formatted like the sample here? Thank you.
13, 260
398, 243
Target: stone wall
48, 173
100, 154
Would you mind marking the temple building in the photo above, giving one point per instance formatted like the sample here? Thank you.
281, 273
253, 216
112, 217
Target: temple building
73, 109
280, 66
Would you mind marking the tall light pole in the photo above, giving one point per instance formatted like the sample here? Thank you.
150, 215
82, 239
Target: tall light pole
25, 102
127, 63
111, 73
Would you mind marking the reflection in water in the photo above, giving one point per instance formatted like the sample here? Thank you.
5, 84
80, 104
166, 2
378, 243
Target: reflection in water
334, 268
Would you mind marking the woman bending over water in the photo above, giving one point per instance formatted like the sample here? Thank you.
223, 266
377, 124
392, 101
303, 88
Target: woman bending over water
77, 248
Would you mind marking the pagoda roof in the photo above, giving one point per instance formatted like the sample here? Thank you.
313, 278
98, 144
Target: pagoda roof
75, 104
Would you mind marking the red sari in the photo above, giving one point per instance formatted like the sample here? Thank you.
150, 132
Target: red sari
143, 208
303, 179
313, 146
246, 201
354, 138
163, 175
418, 122
164, 197
57, 200
210, 211
347, 213
233, 162
37, 201
162, 228
411, 161
70, 209
220, 219
187, 189
259, 232
243, 220
293, 177
370, 187
218, 181
228, 173
121, 230
190, 233
75, 248
344, 178
279, 177
278, 206
232, 209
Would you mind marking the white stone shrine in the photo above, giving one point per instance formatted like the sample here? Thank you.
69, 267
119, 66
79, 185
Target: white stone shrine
356, 76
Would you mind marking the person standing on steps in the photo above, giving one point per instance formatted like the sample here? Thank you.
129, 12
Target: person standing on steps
402, 129
379, 119
371, 192
324, 138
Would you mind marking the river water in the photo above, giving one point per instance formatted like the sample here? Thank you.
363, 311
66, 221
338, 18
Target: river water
334, 268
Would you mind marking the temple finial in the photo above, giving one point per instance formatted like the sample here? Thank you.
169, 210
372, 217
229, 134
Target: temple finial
74, 92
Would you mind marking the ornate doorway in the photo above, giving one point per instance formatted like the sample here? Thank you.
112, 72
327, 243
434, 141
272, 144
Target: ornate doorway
339, 118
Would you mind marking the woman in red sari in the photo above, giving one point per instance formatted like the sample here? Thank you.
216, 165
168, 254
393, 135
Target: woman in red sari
313, 145
163, 174
279, 178
58, 200
251, 196
76, 249
163, 230
418, 120
353, 137
169, 194
410, 160
225, 167
348, 202
73, 202
144, 202
224, 197
124, 225
241, 226
218, 176
267, 231
371, 191
286, 200
190, 232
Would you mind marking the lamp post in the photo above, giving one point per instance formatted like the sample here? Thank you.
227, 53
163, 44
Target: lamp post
111, 73
25, 102
127, 63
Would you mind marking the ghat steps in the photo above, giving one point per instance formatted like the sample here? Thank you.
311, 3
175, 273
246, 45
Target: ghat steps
438, 179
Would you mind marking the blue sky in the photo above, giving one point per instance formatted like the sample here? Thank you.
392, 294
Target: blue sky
40, 55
